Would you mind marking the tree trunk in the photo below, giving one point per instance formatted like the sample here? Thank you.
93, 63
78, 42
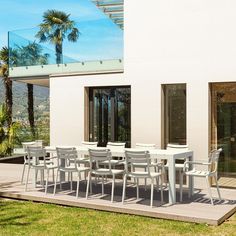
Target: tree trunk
31, 108
8, 99
59, 57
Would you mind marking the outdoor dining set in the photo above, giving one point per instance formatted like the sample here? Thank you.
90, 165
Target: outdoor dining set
96, 164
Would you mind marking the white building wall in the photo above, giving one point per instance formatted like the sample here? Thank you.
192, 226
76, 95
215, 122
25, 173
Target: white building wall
166, 41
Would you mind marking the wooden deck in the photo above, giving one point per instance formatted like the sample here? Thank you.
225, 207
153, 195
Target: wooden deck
198, 209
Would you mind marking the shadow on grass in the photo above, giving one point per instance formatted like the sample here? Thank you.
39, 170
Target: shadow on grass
12, 221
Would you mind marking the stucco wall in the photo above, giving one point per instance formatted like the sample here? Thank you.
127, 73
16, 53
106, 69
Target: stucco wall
166, 41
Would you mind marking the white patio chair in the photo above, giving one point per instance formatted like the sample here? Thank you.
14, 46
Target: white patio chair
135, 158
178, 166
34, 153
33, 162
98, 156
67, 163
211, 171
156, 164
116, 147
35, 143
89, 144
84, 159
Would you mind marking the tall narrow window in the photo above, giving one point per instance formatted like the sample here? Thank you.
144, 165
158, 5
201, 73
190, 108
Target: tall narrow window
174, 113
223, 130
109, 115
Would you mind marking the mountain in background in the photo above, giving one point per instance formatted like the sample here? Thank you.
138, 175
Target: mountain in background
20, 96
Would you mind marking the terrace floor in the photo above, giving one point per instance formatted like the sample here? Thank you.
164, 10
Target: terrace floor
197, 209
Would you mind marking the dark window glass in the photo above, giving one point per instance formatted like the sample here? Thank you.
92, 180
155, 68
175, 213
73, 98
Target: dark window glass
175, 113
110, 115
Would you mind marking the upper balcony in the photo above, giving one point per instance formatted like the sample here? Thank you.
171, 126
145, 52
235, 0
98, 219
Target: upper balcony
99, 49
113, 9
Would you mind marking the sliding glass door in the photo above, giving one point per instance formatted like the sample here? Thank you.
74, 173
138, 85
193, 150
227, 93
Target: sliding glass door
109, 114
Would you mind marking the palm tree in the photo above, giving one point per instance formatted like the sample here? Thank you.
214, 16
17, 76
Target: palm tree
4, 60
30, 89
31, 54
55, 28
7, 133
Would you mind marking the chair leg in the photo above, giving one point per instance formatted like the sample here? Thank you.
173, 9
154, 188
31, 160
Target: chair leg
102, 185
23, 173
217, 186
71, 180
85, 174
53, 177
112, 189
137, 186
27, 179
88, 184
165, 177
46, 187
60, 180
209, 189
42, 177
55, 184
181, 178
157, 182
124, 187
77, 189
36, 177
145, 180
161, 191
152, 183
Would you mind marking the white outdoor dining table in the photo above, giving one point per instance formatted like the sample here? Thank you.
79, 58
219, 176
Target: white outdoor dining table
170, 155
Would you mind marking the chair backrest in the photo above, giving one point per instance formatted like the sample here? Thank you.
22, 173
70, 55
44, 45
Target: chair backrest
214, 159
145, 146
39, 143
176, 146
89, 144
67, 155
135, 158
28, 144
113, 146
37, 153
98, 156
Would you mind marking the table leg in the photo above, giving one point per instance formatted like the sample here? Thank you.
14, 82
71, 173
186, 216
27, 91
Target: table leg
172, 190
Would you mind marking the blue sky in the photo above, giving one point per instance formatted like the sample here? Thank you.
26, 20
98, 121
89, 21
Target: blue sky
100, 38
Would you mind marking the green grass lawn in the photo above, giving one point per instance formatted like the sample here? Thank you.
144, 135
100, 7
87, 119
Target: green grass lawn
28, 218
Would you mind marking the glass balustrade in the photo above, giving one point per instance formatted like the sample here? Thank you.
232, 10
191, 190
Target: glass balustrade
100, 43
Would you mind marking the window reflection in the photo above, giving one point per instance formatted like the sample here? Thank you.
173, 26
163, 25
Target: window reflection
223, 127
174, 113
110, 114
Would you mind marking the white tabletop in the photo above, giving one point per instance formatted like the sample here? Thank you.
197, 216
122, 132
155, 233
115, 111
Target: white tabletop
155, 153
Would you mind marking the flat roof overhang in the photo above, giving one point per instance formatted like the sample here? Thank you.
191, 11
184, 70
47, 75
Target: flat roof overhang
39, 75
112, 8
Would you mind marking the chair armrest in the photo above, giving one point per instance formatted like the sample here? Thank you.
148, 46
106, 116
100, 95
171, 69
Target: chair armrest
187, 163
